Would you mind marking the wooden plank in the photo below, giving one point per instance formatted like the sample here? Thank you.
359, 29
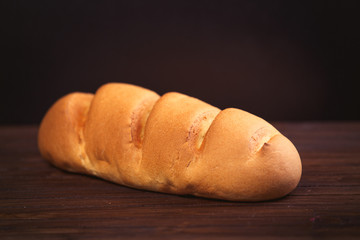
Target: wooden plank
40, 201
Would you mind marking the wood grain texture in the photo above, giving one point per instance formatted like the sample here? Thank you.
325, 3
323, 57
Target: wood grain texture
39, 201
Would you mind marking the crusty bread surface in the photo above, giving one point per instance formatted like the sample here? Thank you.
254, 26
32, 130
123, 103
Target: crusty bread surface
174, 144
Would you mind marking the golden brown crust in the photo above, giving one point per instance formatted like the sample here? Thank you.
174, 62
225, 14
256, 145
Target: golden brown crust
111, 141
236, 168
168, 146
60, 139
174, 143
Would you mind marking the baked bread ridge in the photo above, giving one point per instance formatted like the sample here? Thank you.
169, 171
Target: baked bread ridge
174, 144
60, 133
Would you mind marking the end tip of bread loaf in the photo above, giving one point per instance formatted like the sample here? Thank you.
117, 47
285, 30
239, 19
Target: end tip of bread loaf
272, 173
260, 163
59, 139
282, 166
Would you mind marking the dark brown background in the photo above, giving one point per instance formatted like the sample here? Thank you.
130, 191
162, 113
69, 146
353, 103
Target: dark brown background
281, 60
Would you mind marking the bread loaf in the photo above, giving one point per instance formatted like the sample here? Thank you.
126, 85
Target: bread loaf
173, 144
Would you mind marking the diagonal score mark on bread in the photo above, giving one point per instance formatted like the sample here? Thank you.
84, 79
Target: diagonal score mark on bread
200, 127
138, 120
173, 143
261, 137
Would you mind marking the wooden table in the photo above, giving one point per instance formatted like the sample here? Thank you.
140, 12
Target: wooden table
39, 201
